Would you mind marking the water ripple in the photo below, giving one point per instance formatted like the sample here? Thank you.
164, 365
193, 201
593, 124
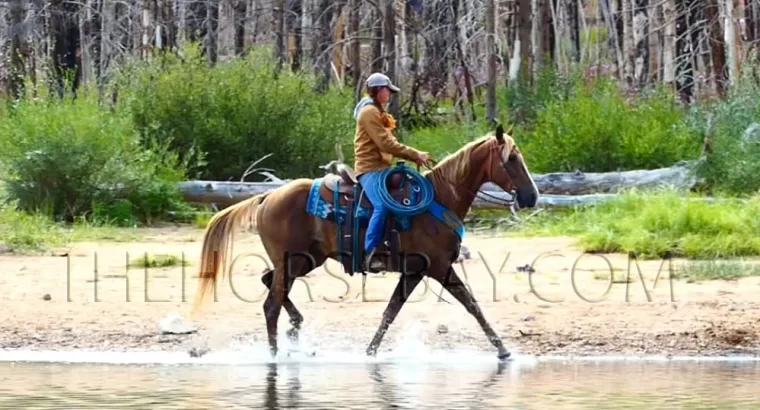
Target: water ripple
382, 385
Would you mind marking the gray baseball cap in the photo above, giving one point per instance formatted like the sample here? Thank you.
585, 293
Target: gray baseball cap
381, 80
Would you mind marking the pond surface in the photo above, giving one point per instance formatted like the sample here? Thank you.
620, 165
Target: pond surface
472, 382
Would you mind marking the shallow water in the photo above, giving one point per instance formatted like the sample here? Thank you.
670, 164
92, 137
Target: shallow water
449, 380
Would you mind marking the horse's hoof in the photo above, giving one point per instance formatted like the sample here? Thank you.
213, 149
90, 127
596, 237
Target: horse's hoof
292, 334
504, 356
371, 352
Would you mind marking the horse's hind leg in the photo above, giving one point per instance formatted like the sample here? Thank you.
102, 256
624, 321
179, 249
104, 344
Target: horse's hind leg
404, 288
272, 306
454, 285
296, 318
299, 264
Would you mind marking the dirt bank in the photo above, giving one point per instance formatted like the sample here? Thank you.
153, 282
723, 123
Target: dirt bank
715, 317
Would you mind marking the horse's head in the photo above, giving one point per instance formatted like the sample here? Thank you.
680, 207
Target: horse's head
505, 167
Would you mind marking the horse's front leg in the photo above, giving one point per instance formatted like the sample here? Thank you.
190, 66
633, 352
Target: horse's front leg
404, 288
454, 285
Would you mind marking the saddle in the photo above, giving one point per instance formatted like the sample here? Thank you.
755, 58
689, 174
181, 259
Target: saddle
348, 185
342, 190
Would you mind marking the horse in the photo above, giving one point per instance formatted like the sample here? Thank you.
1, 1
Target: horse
286, 227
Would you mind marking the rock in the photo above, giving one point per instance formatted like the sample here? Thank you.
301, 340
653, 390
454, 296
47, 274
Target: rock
47, 297
442, 329
198, 351
174, 324
464, 253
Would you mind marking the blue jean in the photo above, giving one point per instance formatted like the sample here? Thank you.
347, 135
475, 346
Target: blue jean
374, 236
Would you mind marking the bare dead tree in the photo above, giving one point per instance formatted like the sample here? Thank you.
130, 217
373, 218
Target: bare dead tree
435, 48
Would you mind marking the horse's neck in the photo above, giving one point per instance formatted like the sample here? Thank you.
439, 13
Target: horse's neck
456, 196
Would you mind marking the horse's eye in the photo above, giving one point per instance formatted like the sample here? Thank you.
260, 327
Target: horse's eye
512, 157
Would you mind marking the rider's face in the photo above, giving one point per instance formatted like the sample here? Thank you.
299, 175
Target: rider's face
384, 95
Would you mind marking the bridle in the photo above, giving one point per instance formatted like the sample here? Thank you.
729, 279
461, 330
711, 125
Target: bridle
495, 150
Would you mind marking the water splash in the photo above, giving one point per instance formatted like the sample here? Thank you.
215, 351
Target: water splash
410, 351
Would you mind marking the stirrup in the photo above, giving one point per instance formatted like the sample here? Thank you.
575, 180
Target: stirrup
374, 265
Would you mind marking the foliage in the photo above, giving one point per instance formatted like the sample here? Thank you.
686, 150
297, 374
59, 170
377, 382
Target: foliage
733, 125
595, 128
28, 232
178, 118
697, 271
225, 117
73, 158
653, 224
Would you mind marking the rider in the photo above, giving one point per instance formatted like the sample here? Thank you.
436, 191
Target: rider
374, 149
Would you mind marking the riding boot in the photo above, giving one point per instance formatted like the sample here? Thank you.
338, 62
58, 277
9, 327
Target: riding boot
377, 264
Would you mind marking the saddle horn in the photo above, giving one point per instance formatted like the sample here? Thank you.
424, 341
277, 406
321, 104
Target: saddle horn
339, 152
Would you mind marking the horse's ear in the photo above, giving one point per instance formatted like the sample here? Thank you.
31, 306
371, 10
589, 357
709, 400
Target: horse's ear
500, 133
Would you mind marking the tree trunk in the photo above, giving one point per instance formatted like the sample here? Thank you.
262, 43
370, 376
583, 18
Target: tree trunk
240, 11
491, 60
613, 21
730, 41
463, 75
629, 50
377, 40
16, 70
717, 49
66, 43
278, 23
439, 41
574, 24
524, 29
537, 35
669, 43
389, 40
295, 23
684, 48
640, 41
211, 38
323, 40
354, 18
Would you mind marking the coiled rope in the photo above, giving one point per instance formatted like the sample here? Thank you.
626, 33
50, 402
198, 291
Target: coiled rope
423, 189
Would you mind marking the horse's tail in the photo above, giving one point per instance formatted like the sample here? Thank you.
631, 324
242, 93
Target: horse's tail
217, 243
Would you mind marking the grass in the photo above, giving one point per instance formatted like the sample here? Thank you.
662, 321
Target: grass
698, 271
158, 261
655, 224
29, 233
618, 276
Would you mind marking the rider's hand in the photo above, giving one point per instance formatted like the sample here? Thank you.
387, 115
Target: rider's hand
422, 157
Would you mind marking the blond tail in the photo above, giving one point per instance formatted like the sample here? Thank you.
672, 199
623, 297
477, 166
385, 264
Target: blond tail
217, 243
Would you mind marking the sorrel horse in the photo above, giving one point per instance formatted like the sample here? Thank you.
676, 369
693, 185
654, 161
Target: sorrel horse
285, 227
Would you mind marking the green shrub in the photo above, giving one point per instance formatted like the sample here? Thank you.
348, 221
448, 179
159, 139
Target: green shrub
69, 158
595, 129
445, 139
655, 223
225, 117
733, 165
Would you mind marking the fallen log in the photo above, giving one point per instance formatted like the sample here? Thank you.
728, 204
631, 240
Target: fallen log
226, 193
229, 193
679, 176
223, 192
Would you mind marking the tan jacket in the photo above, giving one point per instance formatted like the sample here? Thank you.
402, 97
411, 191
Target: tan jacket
374, 145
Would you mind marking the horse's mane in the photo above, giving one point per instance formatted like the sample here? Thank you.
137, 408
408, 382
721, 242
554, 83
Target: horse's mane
452, 169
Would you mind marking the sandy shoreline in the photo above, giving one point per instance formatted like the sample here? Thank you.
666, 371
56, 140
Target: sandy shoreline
706, 318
